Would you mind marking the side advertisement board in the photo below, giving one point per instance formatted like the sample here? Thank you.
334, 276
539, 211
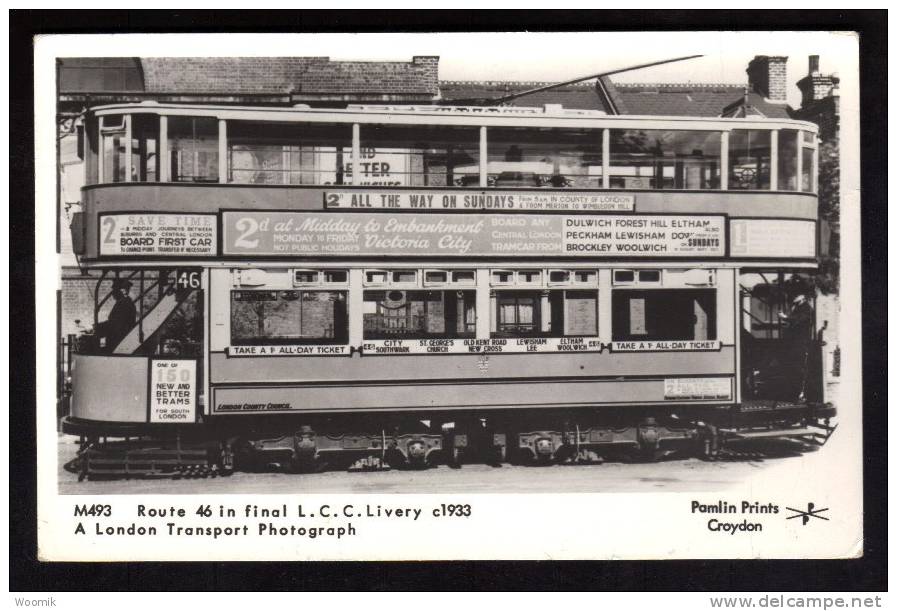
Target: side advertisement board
154, 234
258, 233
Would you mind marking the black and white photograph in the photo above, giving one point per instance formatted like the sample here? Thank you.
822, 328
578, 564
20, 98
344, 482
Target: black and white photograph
410, 296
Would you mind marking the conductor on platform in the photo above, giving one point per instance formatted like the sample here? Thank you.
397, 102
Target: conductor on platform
123, 316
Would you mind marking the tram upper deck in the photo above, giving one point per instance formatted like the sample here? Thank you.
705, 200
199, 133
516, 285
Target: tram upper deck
741, 190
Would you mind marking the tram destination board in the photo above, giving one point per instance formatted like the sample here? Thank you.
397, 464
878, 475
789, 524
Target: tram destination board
255, 233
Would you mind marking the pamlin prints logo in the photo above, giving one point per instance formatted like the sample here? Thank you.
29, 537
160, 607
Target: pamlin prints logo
805, 516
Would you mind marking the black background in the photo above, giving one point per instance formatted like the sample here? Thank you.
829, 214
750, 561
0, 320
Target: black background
27, 574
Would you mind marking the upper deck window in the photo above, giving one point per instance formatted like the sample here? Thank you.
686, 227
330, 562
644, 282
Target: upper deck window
530, 157
808, 171
193, 147
787, 160
114, 147
664, 159
418, 156
749, 159
288, 154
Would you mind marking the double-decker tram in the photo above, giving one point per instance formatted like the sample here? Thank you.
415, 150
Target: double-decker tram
380, 286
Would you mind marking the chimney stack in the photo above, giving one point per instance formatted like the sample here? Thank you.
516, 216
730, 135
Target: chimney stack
815, 85
767, 76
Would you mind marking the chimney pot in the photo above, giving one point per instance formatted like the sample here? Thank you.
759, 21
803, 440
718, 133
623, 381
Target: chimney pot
814, 64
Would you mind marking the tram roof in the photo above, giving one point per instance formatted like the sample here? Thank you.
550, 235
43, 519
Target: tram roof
549, 115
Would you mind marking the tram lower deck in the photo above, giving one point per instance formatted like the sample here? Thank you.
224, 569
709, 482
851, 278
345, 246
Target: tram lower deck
373, 365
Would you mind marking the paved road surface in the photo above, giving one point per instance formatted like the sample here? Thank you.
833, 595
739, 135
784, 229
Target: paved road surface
673, 475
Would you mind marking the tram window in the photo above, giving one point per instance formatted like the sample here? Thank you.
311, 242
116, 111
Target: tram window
542, 157
502, 277
418, 156
377, 276
435, 277
787, 162
305, 277
664, 159
193, 146
529, 276
585, 276
555, 313
749, 159
144, 148
260, 317
464, 277
519, 313
404, 276
394, 314
664, 314
558, 276
624, 276
336, 276
114, 148
807, 169
288, 153
648, 275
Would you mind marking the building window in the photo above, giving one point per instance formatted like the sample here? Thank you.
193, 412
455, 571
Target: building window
787, 161
260, 317
542, 157
193, 146
664, 159
396, 314
288, 153
749, 159
418, 156
664, 314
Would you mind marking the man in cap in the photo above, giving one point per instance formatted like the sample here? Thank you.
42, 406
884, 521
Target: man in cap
798, 328
798, 322
123, 316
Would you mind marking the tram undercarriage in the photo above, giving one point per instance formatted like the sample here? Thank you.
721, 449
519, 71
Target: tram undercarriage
400, 441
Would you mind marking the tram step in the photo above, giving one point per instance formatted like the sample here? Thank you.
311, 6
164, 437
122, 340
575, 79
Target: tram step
135, 462
802, 432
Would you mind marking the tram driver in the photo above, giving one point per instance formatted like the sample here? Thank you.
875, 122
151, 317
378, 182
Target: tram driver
798, 329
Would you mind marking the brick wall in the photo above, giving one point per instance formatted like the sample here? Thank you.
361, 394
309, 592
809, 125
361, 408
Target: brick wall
247, 75
77, 302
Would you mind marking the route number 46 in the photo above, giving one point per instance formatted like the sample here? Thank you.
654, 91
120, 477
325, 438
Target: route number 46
188, 279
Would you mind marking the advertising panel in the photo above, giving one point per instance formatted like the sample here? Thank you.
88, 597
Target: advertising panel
697, 388
257, 233
172, 392
142, 234
775, 238
493, 201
